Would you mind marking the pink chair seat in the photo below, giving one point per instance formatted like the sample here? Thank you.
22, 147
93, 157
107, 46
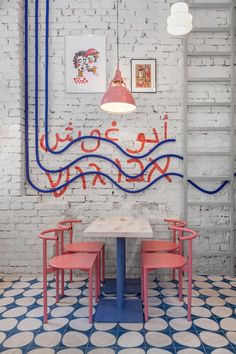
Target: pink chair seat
87, 247
83, 261
162, 260
159, 246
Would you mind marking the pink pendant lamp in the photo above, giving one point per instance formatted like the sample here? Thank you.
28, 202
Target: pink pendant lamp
118, 99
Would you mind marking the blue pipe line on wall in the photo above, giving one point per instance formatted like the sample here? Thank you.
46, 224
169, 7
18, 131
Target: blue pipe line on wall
47, 105
206, 190
112, 162
85, 137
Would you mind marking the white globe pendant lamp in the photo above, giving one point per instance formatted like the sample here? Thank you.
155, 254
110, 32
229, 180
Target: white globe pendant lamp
180, 20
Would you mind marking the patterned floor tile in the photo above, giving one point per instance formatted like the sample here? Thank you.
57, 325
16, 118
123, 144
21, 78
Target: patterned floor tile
206, 324
158, 339
74, 339
166, 350
12, 351
103, 339
17, 340
39, 350
156, 324
68, 331
130, 339
105, 326
181, 324
130, 326
49, 339
190, 350
226, 350
187, 339
214, 340
131, 351
92, 350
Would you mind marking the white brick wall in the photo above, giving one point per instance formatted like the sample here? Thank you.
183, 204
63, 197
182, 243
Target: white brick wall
24, 212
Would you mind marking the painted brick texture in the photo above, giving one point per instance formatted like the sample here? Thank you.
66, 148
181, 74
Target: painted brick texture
142, 34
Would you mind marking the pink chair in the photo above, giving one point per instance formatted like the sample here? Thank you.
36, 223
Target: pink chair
163, 245
152, 261
85, 262
148, 246
83, 247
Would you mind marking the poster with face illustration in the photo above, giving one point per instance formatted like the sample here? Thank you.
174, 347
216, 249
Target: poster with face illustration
86, 64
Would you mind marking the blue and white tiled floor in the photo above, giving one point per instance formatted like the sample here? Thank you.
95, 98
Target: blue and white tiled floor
212, 330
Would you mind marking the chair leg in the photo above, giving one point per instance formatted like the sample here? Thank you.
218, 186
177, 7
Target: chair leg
141, 279
90, 295
173, 274
103, 264
145, 294
62, 282
71, 276
97, 278
180, 284
98, 273
57, 285
189, 294
45, 299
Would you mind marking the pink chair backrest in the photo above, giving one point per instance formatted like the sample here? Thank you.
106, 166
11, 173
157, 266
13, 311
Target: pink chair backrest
67, 225
175, 222
54, 234
191, 234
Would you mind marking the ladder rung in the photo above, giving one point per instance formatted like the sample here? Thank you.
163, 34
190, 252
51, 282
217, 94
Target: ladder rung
206, 54
205, 129
224, 104
211, 29
207, 178
209, 5
205, 153
213, 254
211, 229
209, 204
209, 79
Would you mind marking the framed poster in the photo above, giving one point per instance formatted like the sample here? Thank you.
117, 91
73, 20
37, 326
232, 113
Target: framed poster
86, 64
143, 75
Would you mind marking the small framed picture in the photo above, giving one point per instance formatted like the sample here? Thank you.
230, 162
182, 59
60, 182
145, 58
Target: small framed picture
143, 75
86, 64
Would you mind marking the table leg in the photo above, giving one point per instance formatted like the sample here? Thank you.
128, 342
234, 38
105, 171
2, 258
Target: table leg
124, 266
119, 309
131, 285
120, 271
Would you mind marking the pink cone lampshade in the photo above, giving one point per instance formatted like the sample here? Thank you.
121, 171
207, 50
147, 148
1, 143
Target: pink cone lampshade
118, 99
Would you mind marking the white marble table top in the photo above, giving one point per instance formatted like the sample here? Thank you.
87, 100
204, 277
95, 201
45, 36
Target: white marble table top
119, 226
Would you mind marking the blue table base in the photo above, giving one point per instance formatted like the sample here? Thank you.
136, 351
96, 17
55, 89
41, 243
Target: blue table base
107, 311
132, 286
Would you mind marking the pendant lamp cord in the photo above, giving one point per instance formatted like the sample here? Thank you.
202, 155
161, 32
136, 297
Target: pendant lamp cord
117, 32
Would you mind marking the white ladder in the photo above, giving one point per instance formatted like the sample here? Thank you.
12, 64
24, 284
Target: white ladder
229, 128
